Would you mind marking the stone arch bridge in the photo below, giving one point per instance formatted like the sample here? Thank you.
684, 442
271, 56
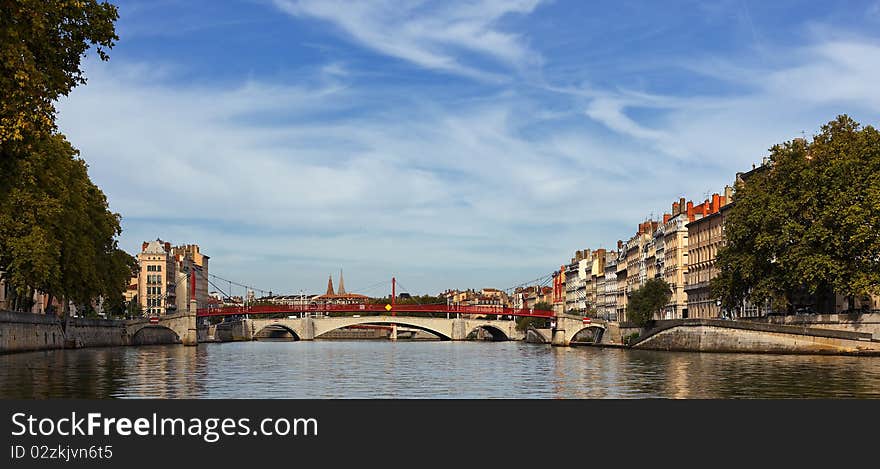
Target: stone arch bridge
183, 325
309, 328
446, 329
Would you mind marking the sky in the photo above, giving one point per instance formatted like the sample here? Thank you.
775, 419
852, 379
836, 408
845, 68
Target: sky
452, 144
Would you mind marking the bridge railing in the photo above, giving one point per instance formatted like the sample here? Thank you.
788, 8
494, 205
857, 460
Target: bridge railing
364, 308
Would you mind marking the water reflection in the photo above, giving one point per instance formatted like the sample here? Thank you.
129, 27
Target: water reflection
371, 369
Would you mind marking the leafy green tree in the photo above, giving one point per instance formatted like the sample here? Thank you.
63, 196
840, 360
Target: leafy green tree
807, 222
133, 308
41, 46
525, 322
648, 300
57, 234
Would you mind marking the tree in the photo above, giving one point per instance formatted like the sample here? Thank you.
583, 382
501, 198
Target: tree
805, 226
648, 300
133, 308
41, 47
525, 322
57, 234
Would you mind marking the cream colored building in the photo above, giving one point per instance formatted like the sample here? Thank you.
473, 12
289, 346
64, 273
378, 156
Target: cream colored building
577, 277
156, 280
170, 279
610, 291
675, 262
621, 284
705, 236
595, 277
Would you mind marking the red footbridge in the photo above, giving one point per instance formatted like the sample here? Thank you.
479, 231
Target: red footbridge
397, 309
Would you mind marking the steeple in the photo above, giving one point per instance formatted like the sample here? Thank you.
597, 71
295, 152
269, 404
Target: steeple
330, 285
341, 284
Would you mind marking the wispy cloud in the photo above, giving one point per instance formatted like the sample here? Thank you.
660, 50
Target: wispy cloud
410, 183
432, 36
286, 176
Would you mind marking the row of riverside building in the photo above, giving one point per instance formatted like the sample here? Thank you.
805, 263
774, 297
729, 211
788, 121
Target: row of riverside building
680, 248
169, 280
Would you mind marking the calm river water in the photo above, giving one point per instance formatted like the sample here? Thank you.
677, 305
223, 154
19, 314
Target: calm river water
380, 369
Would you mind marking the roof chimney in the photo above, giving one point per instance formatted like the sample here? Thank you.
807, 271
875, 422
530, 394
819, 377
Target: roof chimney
666, 218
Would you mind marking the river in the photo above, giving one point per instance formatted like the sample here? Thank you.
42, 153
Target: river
431, 369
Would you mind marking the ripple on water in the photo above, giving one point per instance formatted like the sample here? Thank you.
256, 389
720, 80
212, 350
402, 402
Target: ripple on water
414, 370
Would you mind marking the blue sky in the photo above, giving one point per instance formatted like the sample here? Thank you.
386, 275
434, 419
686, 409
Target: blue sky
453, 144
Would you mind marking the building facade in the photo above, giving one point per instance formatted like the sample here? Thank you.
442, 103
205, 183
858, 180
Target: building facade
675, 260
621, 284
169, 279
609, 294
705, 236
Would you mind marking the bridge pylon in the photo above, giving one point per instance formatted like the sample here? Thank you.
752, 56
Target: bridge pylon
191, 336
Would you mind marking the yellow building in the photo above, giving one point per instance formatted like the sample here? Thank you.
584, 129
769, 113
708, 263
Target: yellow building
705, 236
169, 280
675, 266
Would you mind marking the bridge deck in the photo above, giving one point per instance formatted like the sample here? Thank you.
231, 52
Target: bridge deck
359, 309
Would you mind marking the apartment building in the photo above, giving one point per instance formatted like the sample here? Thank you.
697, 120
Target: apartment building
609, 294
705, 236
170, 279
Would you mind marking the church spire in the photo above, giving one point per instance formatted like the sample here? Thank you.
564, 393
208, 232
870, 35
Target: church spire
341, 284
330, 285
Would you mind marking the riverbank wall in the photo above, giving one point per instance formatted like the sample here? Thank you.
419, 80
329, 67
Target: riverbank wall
717, 335
22, 332
855, 322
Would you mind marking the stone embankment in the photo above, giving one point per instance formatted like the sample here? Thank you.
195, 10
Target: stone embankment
21, 332
716, 335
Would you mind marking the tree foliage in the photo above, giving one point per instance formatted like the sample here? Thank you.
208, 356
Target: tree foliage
807, 222
41, 47
648, 300
410, 300
57, 234
525, 322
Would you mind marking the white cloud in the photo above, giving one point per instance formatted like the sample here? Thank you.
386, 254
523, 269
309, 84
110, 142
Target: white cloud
278, 181
445, 187
610, 112
433, 37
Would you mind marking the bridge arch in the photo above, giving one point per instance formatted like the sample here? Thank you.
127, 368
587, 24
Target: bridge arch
598, 330
386, 320
537, 336
153, 334
497, 334
265, 331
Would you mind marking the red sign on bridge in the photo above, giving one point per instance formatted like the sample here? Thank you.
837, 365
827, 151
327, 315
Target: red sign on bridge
154, 319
